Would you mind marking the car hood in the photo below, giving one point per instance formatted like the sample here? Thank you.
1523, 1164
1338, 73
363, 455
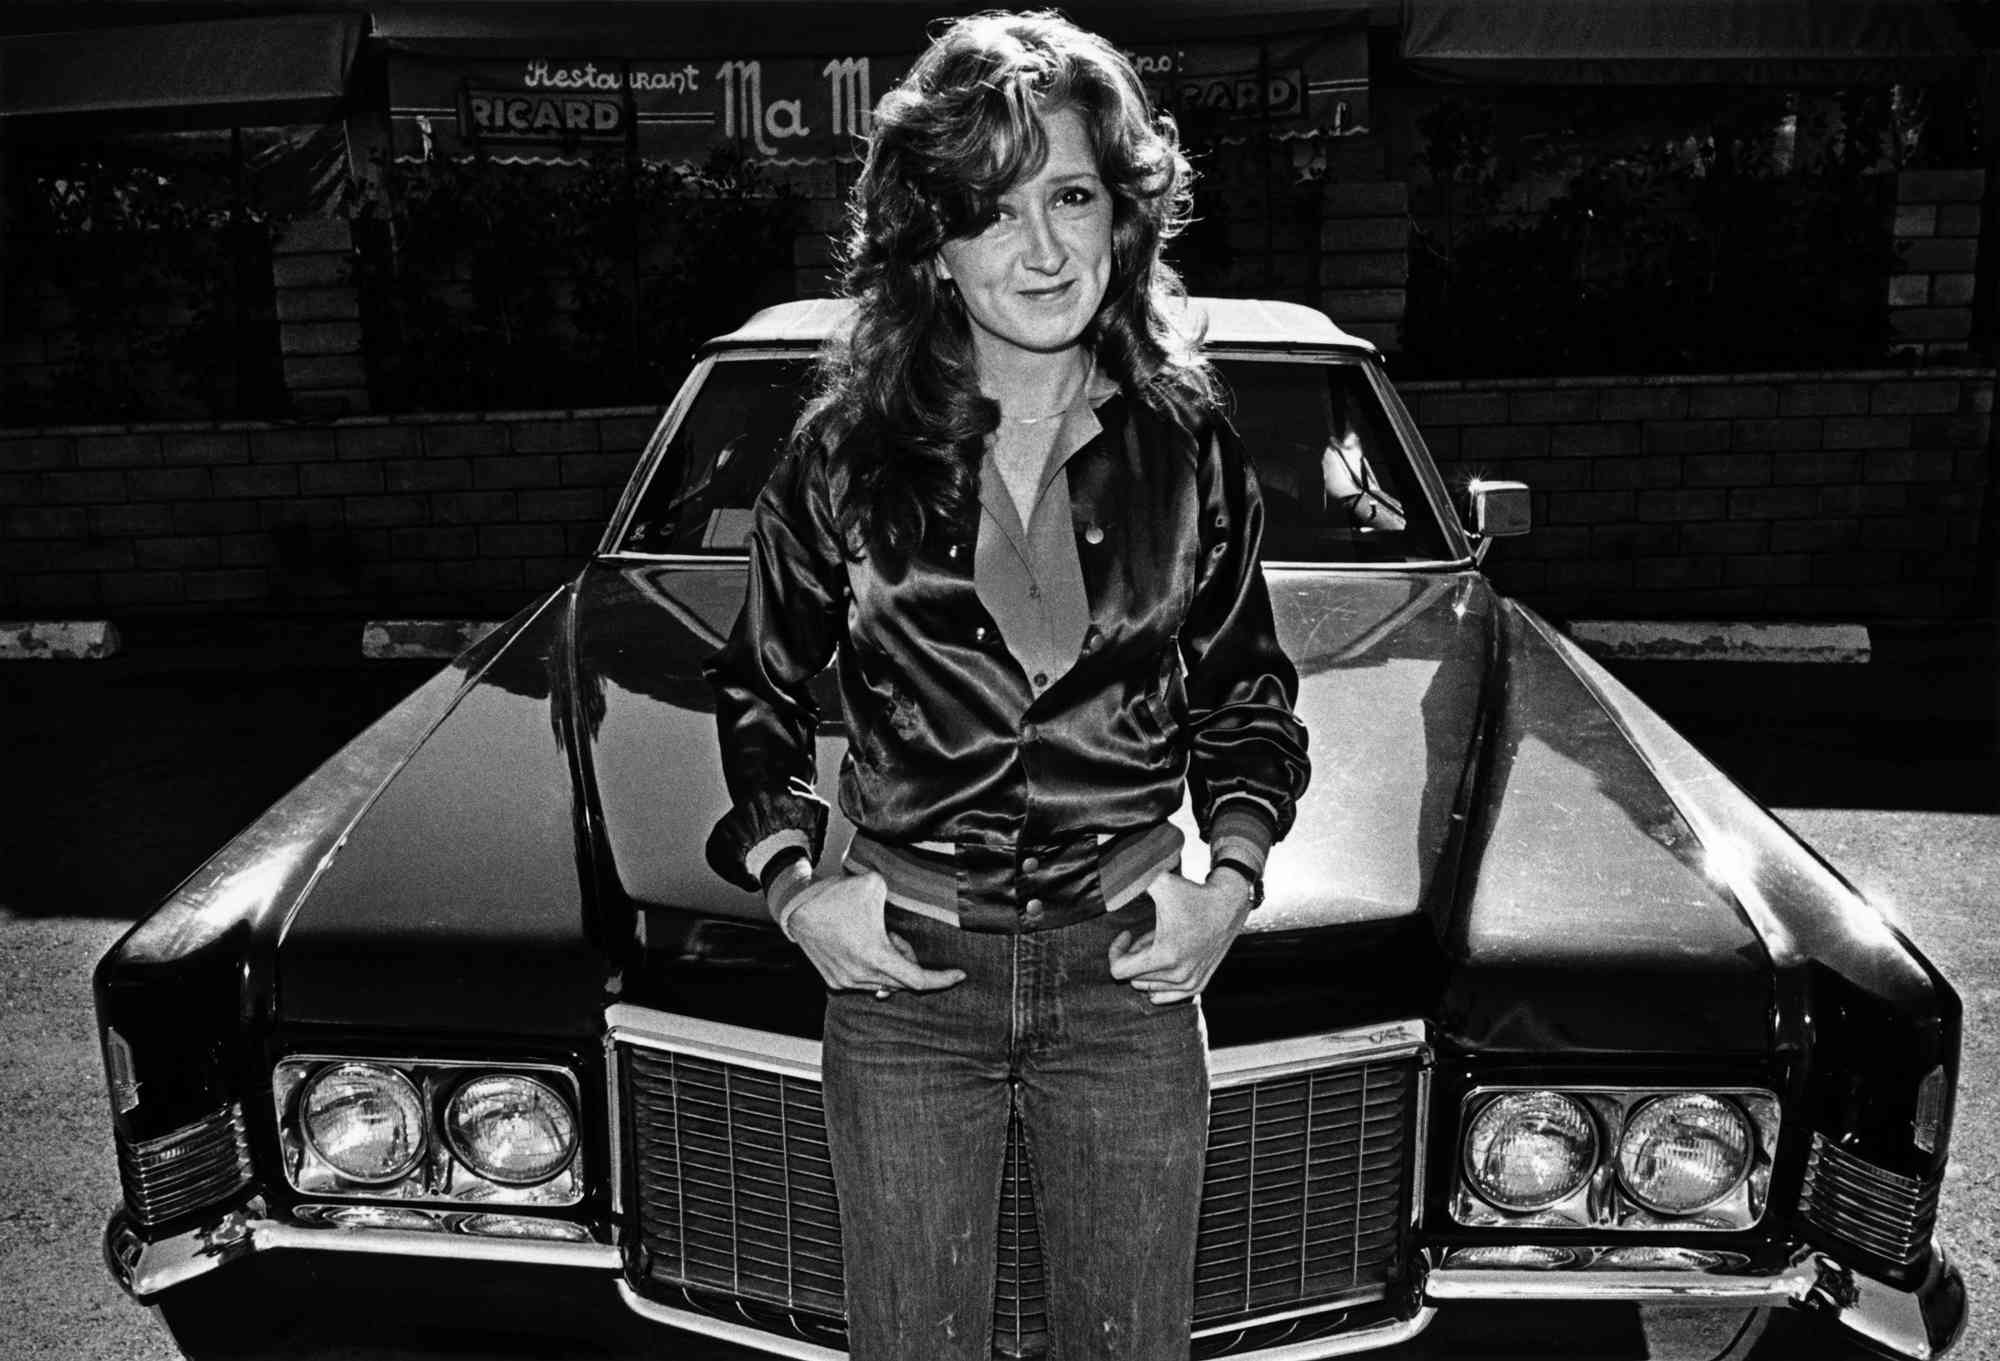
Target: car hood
1478, 829
1480, 843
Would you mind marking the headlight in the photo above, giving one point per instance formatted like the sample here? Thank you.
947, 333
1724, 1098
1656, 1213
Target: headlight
1680, 1154
511, 1129
1529, 1150
365, 1121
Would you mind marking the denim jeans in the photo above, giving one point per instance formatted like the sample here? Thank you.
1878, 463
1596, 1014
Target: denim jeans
1113, 1096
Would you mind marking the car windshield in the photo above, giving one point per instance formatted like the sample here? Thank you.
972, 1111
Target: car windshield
1338, 484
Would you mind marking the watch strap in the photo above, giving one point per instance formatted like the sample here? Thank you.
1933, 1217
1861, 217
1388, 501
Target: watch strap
1247, 870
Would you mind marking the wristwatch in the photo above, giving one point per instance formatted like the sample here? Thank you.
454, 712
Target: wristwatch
1244, 868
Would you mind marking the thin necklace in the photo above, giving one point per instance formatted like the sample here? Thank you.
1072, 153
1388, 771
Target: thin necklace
1088, 374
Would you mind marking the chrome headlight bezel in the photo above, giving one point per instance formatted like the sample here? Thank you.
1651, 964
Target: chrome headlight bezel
1603, 1202
441, 1176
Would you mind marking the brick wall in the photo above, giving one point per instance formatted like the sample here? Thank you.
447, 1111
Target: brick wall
1833, 496
459, 515
1937, 255
319, 318
1814, 496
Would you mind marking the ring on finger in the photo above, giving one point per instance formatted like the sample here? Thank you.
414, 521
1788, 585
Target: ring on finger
881, 994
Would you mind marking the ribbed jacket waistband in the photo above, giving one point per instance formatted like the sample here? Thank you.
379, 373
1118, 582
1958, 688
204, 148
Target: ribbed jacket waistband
1018, 888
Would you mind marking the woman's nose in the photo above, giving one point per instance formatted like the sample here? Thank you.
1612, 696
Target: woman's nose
1044, 248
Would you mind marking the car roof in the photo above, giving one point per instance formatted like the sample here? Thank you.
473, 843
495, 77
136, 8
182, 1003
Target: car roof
1231, 322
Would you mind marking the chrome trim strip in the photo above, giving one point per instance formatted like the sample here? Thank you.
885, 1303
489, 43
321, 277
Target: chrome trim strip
786, 1055
144, 1268
614, 1111
1242, 1065
1345, 1344
1421, 1151
1360, 1297
272, 1235
789, 1056
1499, 1283
741, 1334
496, 1066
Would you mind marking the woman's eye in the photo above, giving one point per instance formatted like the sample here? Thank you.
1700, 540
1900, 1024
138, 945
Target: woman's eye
1076, 196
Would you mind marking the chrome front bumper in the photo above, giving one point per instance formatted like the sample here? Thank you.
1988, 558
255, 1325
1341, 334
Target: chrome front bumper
1919, 1324
146, 1268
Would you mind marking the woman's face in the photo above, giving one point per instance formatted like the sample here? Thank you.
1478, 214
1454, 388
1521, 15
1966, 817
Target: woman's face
1033, 277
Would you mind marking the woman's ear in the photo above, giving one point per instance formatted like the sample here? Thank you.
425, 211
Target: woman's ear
940, 268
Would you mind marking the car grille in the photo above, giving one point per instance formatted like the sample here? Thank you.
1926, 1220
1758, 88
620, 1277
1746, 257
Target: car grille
1874, 1209
1304, 1207
192, 1167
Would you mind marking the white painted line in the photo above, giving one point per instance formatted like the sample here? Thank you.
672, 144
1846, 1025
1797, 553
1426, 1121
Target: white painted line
1642, 640
401, 639
68, 640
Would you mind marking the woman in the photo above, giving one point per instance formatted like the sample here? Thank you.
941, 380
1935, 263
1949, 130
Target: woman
1017, 517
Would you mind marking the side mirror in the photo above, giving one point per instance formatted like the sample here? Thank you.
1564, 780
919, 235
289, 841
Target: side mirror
1499, 511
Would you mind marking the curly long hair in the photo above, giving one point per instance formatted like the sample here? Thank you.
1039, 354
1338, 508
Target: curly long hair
964, 125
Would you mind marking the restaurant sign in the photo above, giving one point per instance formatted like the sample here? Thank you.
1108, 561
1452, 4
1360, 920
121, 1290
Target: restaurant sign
793, 110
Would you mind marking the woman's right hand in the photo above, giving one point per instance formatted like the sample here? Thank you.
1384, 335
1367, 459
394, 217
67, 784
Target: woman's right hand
838, 923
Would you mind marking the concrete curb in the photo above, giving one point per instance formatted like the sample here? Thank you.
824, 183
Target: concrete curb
66, 640
403, 639
1694, 641
1613, 639
1618, 639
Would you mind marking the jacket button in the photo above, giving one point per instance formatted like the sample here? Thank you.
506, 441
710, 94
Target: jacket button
1094, 534
1032, 909
1029, 864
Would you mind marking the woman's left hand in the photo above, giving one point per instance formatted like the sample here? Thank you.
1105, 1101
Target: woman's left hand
1193, 926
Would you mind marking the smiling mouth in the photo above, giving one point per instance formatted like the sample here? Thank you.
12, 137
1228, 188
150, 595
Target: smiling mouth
1044, 294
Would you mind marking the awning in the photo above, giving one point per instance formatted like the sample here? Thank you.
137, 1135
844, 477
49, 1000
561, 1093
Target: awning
1775, 42
215, 73
768, 28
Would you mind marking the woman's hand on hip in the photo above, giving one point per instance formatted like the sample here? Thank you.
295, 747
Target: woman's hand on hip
1193, 927
838, 923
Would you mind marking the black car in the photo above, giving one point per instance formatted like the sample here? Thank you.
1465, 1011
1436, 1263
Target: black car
1539, 1006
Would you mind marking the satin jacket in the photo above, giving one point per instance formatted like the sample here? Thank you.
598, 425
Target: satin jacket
1179, 680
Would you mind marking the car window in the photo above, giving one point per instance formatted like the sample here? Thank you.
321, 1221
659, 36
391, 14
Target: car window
1337, 482
1338, 486
720, 457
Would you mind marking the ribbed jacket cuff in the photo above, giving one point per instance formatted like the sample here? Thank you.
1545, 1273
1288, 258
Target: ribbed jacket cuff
750, 825
1242, 828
